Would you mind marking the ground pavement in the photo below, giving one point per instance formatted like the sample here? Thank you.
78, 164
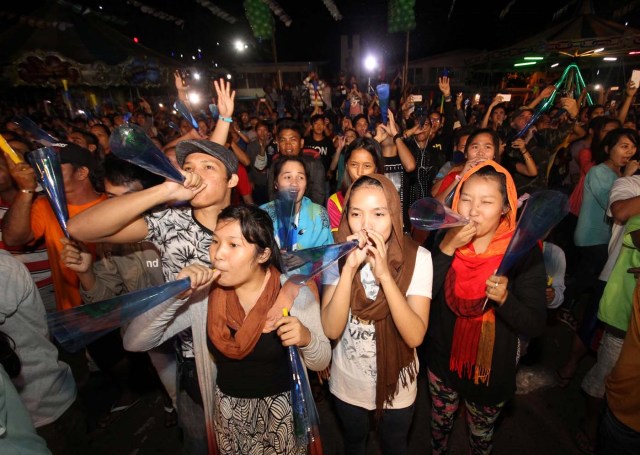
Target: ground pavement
541, 422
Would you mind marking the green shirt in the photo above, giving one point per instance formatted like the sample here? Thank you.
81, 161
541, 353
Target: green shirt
617, 299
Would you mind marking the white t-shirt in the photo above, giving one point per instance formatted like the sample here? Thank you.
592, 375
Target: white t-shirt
353, 368
623, 188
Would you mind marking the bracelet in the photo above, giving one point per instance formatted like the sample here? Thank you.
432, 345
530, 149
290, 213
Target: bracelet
458, 177
225, 119
27, 191
447, 98
398, 136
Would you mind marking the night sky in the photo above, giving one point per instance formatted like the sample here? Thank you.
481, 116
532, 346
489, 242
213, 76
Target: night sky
314, 34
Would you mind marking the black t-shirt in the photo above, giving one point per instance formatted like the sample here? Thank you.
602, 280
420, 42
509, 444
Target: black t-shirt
264, 372
324, 147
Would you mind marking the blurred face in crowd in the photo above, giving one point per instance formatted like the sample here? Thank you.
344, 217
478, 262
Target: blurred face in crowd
597, 112
498, 115
361, 127
481, 148
120, 190
622, 152
435, 120
360, 163
185, 127
606, 128
79, 139
318, 126
521, 120
262, 133
203, 128
349, 137
292, 177
244, 118
462, 143
289, 142
101, 134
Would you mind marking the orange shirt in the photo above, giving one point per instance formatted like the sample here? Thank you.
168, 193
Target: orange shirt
45, 224
623, 384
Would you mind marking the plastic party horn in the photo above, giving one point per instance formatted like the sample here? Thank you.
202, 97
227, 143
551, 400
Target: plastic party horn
185, 112
6, 148
130, 143
285, 205
306, 423
429, 214
38, 133
79, 326
310, 262
46, 164
543, 211
383, 98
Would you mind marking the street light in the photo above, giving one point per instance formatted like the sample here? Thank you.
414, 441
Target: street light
228, 76
240, 46
370, 64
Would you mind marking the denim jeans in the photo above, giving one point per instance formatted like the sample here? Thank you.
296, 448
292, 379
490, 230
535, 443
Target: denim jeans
616, 438
393, 428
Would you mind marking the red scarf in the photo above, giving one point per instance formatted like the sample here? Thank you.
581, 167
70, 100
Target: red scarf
474, 331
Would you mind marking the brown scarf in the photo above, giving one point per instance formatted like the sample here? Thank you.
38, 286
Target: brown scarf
392, 353
225, 311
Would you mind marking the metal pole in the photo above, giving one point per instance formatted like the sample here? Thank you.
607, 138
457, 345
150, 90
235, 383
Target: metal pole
405, 76
275, 60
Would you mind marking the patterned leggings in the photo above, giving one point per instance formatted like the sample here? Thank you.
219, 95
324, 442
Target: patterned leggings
480, 419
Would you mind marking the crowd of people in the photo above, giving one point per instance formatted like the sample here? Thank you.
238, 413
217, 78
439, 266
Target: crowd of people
404, 303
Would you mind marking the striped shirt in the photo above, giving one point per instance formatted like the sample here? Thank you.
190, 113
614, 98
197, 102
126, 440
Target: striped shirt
34, 257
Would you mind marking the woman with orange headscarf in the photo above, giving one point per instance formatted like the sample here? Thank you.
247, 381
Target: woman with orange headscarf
473, 348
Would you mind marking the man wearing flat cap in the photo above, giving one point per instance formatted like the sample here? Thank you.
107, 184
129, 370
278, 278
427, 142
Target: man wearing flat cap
182, 235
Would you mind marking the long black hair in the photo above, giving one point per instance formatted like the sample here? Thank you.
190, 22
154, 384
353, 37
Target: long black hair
257, 228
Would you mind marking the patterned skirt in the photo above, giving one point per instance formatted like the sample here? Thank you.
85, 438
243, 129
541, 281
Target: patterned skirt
260, 426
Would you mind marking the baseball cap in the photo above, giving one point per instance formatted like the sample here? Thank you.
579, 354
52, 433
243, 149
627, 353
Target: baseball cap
217, 151
71, 153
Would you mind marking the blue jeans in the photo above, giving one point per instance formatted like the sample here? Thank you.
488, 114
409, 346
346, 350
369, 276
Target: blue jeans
616, 438
393, 428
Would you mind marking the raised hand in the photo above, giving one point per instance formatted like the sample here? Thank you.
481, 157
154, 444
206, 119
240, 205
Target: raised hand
443, 85
22, 174
226, 97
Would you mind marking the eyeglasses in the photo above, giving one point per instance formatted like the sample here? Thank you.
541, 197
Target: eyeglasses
435, 120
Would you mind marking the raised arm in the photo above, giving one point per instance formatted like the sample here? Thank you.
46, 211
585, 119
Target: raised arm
119, 220
16, 225
406, 157
226, 98
485, 120
545, 93
624, 109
